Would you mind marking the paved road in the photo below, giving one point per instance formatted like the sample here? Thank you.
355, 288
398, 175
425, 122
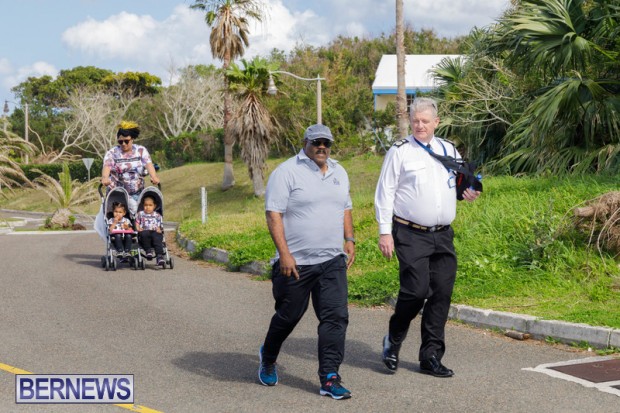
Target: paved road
190, 337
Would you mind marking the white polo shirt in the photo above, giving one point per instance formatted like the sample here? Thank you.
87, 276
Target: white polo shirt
415, 186
312, 205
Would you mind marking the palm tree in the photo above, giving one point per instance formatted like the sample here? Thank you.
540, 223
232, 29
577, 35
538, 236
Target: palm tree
252, 124
572, 116
11, 175
67, 194
228, 20
401, 95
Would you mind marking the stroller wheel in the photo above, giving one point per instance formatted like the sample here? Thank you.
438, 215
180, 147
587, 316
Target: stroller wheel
142, 265
114, 264
103, 260
134, 263
107, 264
171, 263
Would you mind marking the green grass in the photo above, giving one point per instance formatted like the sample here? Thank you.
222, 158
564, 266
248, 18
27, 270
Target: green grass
516, 246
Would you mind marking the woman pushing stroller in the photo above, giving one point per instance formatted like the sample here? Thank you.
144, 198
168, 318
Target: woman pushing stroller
124, 168
124, 164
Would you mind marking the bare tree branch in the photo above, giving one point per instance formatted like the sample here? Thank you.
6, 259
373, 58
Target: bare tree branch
194, 103
91, 122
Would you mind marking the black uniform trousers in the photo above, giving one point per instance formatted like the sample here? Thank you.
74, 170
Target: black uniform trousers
327, 284
427, 270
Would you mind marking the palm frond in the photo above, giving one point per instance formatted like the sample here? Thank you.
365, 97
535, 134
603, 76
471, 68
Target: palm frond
229, 22
65, 192
547, 34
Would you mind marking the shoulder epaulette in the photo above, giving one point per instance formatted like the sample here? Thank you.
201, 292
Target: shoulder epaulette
446, 140
401, 142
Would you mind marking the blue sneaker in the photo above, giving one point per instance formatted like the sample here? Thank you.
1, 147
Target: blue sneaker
332, 387
267, 373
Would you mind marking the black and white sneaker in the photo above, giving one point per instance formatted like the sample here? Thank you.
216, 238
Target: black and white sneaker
390, 354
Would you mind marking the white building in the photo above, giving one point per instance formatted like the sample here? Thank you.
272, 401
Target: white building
417, 77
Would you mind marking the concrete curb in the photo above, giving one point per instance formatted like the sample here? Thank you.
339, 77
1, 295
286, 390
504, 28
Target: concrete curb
568, 333
221, 256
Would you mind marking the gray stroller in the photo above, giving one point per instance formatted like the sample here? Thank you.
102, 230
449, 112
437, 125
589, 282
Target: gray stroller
155, 193
111, 261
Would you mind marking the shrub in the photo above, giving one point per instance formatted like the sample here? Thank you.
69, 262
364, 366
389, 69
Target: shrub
77, 170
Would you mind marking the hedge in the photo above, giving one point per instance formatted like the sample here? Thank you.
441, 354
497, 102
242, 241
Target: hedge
76, 168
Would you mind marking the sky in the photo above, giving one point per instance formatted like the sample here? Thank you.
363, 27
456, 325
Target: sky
42, 37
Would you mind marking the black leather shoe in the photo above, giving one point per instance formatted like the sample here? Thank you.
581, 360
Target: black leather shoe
434, 367
390, 354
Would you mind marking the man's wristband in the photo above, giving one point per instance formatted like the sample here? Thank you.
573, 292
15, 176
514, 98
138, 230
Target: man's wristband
350, 239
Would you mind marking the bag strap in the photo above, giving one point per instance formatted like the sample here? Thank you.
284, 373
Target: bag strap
457, 165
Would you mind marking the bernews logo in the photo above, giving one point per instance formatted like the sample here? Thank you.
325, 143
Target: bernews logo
74, 388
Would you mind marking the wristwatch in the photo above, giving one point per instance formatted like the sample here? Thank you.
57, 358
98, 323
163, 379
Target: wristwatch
350, 239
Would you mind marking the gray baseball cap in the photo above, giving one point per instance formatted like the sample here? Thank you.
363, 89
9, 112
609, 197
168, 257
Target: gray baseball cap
318, 131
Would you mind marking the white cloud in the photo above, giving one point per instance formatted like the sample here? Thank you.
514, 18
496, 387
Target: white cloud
356, 29
283, 29
183, 37
120, 36
142, 41
452, 18
12, 77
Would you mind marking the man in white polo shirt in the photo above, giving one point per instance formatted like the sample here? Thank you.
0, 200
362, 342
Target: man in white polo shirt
308, 210
415, 204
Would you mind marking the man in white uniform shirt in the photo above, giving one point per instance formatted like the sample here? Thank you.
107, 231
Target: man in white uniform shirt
415, 203
308, 210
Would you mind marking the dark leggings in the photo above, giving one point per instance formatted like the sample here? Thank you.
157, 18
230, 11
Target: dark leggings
152, 239
121, 241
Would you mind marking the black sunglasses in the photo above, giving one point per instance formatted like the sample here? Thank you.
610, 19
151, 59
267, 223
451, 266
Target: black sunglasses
318, 142
124, 141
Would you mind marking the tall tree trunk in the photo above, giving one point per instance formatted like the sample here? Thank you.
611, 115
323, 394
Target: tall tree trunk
401, 93
229, 140
258, 182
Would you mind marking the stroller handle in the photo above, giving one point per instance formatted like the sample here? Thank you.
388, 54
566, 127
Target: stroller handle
101, 186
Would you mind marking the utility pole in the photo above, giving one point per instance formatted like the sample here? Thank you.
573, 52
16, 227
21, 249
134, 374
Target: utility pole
26, 128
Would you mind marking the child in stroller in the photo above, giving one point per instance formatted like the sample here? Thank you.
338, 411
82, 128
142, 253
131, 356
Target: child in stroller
149, 224
120, 230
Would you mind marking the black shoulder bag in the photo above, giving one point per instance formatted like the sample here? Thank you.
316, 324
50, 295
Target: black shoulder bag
465, 173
